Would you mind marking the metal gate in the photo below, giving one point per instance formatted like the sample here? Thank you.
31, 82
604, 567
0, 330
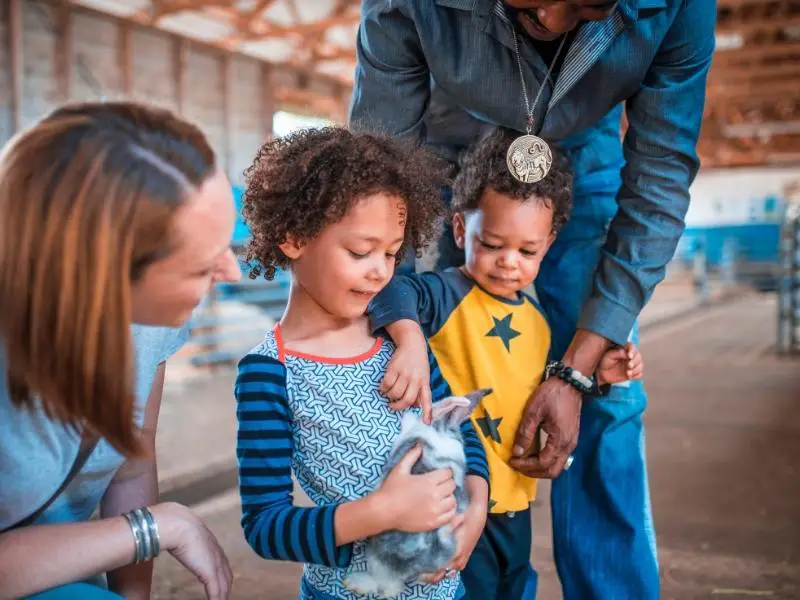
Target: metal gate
789, 291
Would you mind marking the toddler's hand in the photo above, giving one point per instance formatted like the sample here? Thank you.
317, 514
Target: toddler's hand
620, 364
407, 379
418, 503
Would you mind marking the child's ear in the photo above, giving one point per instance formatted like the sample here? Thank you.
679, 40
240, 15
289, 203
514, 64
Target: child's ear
291, 248
459, 229
550, 239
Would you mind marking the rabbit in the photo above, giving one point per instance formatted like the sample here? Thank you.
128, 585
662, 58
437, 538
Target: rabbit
394, 557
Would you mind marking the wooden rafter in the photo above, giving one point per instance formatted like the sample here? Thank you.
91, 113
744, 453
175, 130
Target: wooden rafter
751, 54
246, 20
752, 110
746, 27
164, 8
754, 72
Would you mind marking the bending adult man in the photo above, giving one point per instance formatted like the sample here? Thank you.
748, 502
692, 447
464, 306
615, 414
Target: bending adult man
443, 71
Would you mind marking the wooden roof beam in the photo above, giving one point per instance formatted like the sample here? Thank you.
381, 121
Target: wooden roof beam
754, 53
268, 29
772, 128
741, 3
752, 26
246, 20
164, 8
729, 75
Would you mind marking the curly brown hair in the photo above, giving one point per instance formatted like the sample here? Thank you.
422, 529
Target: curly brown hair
301, 183
484, 165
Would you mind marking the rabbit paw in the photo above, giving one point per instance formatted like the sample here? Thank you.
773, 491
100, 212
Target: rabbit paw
361, 583
365, 584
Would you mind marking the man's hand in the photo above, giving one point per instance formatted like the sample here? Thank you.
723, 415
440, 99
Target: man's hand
407, 381
556, 407
620, 364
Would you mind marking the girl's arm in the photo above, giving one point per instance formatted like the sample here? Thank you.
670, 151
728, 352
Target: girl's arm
136, 485
278, 530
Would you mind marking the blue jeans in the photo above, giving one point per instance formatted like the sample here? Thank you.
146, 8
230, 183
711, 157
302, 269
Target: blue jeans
76, 591
603, 537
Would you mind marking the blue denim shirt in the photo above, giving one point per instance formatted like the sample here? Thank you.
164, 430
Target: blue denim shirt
442, 71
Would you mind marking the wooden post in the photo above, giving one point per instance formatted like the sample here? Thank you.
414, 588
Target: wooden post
63, 51
15, 55
125, 58
179, 73
267, 101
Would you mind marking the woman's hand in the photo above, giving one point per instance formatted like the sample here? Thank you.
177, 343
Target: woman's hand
417, 503
187, 538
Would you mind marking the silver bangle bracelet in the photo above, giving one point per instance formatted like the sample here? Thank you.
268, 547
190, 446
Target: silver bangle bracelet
155, 540
147, 549
145, 534
149, 525
137, 536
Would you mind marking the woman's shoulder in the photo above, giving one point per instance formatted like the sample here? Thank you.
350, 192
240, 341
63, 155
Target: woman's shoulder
158, 343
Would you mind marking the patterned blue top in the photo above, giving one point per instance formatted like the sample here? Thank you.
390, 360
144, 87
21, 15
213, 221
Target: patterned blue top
325, 420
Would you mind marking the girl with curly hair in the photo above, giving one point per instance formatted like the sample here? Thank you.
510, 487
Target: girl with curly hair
337, 209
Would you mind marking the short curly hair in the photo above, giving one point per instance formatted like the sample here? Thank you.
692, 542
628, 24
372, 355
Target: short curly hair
301, 183
484, 166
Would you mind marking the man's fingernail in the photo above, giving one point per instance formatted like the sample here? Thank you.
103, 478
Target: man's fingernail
518, 450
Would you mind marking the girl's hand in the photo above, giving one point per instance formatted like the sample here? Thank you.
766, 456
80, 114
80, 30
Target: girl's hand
467, 535
407, 379
417, 503
468, 532
187, 538
620, 364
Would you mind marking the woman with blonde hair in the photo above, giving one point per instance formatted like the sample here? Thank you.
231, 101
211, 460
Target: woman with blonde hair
114, 223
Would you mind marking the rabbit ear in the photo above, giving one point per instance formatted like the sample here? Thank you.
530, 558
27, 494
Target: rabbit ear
457, 409
445, 408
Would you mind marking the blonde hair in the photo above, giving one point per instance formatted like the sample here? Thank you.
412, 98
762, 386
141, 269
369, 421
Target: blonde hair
87, 197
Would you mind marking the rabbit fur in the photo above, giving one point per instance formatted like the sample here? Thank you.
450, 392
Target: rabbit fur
395, 558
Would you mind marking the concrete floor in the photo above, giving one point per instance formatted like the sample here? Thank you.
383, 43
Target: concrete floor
723, 444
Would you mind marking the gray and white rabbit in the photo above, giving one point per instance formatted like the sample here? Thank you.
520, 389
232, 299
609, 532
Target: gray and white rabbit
395, 558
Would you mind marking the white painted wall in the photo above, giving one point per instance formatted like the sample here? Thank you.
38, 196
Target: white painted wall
738, 196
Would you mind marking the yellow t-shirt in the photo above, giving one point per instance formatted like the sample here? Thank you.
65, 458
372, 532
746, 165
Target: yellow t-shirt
479, 341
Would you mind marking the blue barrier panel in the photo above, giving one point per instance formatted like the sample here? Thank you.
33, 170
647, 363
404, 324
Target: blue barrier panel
753, 242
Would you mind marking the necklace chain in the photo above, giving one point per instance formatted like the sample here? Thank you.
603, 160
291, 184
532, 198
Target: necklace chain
528, 108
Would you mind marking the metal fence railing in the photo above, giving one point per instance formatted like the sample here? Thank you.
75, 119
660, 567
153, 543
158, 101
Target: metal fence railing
789, 288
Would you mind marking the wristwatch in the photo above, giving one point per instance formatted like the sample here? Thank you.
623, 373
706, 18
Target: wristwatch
582, 383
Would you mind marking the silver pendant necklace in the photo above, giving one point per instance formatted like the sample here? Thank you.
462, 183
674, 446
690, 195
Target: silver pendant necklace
529, 157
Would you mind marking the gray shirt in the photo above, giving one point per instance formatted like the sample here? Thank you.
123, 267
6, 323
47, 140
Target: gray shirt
36, 453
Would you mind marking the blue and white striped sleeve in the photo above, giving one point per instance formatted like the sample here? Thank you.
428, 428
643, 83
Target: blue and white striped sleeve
273, 527
473, 448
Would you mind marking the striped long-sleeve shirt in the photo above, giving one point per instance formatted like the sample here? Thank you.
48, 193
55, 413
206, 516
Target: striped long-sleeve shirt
324, 420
